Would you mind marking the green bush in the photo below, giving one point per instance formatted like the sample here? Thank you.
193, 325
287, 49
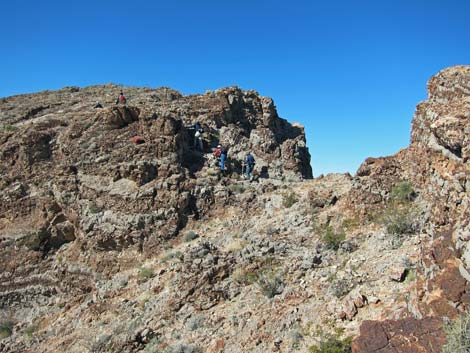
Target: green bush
331, 238
9, 128
332, 344
403, 192
458, 335
145, 273
6, 328
399, 220
243, 276
190, 236
289, 199
30, 330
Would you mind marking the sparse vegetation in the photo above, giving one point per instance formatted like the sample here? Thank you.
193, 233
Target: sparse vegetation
340, 287
403, 192
244, 276
236, 245
30, 330
237, 188
145, 273
195, 322
94, 208
190, 236
270, 283
399, 219
332, 344
153, 346
458, 335
289, 199
332, 238
6, 328
88, 125
350, 223
272, 231
173, 255
9, 128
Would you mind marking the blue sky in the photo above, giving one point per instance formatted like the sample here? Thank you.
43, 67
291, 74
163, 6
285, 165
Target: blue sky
351, 72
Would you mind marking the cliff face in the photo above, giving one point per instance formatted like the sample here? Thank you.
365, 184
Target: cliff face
110, 245
437, 164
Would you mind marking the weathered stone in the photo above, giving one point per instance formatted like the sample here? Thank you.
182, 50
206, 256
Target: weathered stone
401, 336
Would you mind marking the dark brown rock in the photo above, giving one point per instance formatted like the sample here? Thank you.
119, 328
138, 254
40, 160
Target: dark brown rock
402, 336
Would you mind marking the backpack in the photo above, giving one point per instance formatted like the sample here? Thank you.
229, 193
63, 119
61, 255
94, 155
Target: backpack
122, 98
223, 150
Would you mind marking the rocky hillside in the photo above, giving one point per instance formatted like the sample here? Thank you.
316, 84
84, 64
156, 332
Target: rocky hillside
113, 246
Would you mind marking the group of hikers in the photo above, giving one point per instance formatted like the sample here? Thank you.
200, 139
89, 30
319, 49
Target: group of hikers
220, 152
248, 164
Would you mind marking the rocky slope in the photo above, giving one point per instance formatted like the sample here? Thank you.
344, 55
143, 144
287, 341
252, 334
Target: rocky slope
111, 246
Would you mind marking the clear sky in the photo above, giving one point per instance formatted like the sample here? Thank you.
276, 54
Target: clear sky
350, 71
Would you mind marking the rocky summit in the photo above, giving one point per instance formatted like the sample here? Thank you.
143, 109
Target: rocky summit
120, 233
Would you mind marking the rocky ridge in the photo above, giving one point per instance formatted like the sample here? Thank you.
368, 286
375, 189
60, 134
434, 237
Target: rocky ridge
108, 245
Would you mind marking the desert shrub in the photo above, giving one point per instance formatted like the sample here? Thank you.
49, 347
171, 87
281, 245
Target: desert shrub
236, 188
403, 192
190, 236
195, 322
6, 328
236, 245
30, 330
153, 346
244, 276
332, 344
270, 283
145, 273
101, 342
272, 231
458, 335
331, 238
94, 208
9, 128
289, 199
340, 287
173, 255
350, 223
399, 220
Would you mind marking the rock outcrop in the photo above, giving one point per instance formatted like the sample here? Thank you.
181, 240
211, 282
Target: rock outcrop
118, 234
437, 164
